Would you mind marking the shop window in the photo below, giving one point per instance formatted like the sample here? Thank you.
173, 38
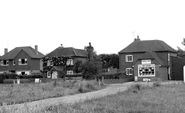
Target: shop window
129, 71
129, 58
146, 70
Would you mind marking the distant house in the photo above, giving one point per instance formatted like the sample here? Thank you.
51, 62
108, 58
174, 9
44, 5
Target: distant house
71, 54
21, 60
147, 60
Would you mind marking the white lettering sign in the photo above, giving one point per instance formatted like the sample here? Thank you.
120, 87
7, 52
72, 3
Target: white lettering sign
145, 61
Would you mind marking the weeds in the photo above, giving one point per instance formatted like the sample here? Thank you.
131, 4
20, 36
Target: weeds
11, 94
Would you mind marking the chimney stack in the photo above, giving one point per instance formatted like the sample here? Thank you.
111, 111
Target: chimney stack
90, 50
5, 50
137, 39
36, 49
61, 45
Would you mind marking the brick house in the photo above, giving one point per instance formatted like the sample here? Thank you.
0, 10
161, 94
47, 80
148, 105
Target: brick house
72, 54
147, 60
21, 60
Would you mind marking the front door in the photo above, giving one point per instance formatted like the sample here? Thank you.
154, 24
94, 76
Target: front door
54, 75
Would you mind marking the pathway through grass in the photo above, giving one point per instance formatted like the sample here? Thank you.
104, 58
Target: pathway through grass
160, 99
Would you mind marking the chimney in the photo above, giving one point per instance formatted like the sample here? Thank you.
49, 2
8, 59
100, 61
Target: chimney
137, 39
90, 51
61, 45
36, 49
5, 50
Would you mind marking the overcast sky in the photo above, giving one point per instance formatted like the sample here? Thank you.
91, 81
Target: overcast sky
107, 24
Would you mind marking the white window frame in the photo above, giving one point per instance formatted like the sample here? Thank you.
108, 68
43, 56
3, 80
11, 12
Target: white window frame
70, 72
129, 71
7, 63
69, 62
13, 62
26, 61
127, 58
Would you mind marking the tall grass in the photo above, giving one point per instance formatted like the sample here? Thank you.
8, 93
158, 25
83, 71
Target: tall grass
14, 93
163, 99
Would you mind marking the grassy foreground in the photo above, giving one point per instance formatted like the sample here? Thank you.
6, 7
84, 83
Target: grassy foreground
157, 99
14, 93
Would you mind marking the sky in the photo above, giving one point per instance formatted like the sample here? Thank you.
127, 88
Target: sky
110, 25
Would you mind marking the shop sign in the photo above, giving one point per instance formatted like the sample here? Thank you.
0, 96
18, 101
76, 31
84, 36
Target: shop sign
146, 61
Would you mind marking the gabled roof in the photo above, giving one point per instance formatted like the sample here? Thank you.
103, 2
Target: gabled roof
147, 45
29, 50
69, 51
152, 55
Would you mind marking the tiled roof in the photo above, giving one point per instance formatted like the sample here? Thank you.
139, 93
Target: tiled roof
29, 50
147, 45
70, 51
152, 55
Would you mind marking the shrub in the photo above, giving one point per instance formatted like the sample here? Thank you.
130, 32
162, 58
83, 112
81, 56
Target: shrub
9, 76
87, 86
156, 84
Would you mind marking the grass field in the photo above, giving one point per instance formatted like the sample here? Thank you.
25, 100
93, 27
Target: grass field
157, 99
14, 93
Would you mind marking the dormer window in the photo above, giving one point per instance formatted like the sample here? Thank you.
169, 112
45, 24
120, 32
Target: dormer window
5, 63
129, 58
23, 61
69, 62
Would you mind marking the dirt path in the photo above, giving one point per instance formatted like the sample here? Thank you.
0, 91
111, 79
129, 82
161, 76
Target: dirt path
71, 99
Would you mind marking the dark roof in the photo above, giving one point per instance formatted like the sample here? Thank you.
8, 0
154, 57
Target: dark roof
147, 45
29, 50
152, 55
69, 51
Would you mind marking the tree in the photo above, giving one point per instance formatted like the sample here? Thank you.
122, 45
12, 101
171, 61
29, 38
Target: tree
91, 69
110, 60
77, 66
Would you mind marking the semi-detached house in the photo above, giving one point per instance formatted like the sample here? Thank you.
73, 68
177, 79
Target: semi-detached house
21, 60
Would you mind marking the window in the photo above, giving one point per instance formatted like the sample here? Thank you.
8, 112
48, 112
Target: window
69, 72
129, 58
147, 70
129, 71
69, 61
23, 61
13, 62
5, 63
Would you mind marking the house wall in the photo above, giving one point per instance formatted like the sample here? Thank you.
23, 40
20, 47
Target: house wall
123, 64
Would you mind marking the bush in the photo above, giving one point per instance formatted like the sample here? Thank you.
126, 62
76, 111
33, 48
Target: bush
87, 86
31, 76
9, 76
118, 76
